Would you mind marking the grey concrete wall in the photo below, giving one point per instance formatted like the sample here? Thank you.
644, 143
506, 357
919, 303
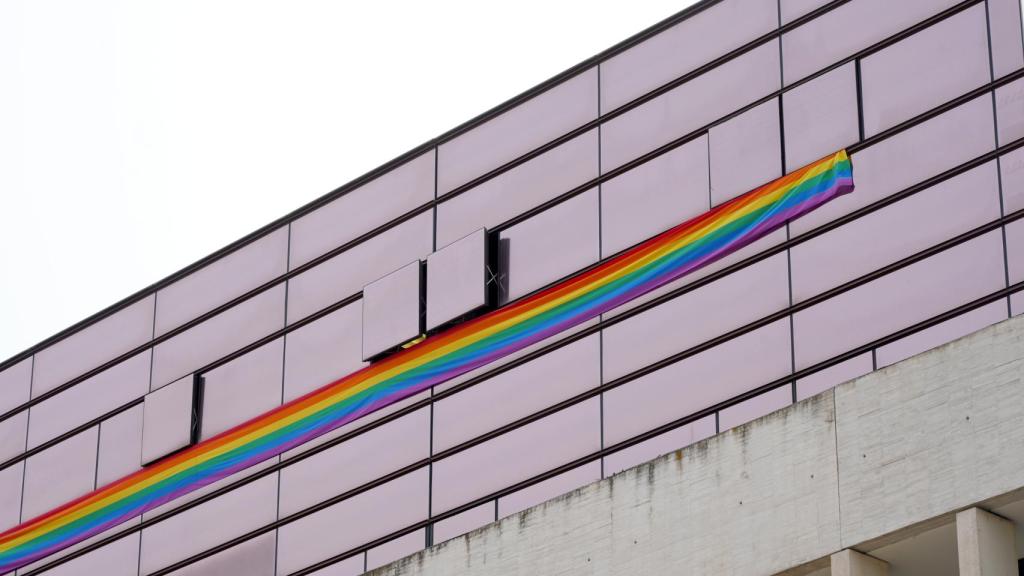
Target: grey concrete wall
890, 451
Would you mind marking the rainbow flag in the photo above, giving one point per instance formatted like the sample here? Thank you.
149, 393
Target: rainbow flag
475, 343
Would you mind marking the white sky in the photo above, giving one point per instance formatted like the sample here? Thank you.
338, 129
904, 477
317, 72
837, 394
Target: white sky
138, 136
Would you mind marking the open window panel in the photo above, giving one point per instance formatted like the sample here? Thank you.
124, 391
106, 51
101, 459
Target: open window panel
171, 418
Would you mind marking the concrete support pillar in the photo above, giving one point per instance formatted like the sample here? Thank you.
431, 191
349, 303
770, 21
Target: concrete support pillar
985, 544
852, 563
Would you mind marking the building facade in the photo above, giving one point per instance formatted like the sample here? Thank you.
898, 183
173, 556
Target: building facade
926, 96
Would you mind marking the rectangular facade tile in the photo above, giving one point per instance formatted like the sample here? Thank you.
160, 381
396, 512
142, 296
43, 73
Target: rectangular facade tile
690, 106
833, 376
457, 279
654, 196
940, 334
517, 393
60, 473
897, 162
925, 70
663, 443
517, 455
352, 522
347, 273
939, 213
393, 310
697, 382
525, 252
1011, 168
359, 211
348, 465
745, 152
219, 520
120, 446
90, 399
222, 280
242, 389
1010, 111
15, 385
464, 522
526, 186
221, 335
820, 116
844, 31
395, 549
517, 131
900, 299
755, 407
710, 310
167, 419
1004, 21
548, 489
691, 43
253, 557
90, 347
10, 494
323, 351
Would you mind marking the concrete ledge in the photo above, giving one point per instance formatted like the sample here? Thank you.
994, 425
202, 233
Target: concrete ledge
882, 454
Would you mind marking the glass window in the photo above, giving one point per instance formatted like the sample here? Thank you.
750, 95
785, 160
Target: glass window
60, 473
548, 489
664, 443
323, 351
242, 389
847, 29
654, 196
214, 338
218, 282
938, 213
392, 310
755, 407
362, 209
833, 376
965, 272
940, 334
219, 520
464, 522
398, 548
517, 131
929, 68
690, 106
1007, 48
89, 399
745, 151
347, 273
896, 163
697, 382
120, 446
1011, 166
457, 279
10, 495
517, 455
821, 116
167, 419
88, 348
254, 557
691, 43
349, 523
521, 391
1015, 250
526, 186
793, 9
1010, 111
696, 316
525, 252
348, 465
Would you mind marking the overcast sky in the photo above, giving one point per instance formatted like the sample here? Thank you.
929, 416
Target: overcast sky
138, 136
